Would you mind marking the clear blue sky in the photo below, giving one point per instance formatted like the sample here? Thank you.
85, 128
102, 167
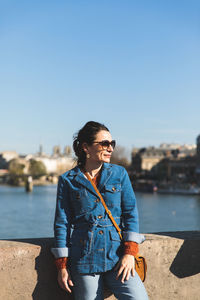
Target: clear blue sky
133, 65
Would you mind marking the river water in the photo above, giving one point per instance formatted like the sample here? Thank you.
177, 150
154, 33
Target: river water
31, 215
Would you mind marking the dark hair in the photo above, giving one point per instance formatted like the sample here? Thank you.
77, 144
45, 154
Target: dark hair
87, 135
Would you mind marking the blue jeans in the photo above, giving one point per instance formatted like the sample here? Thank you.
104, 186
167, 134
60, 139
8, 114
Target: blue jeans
90, 286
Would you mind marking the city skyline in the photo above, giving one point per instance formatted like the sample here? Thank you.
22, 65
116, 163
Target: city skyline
133, 66
62, 150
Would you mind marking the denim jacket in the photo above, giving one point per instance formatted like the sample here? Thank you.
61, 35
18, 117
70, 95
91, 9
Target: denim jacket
83, 230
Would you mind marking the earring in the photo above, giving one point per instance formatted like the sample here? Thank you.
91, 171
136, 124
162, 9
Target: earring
88, 155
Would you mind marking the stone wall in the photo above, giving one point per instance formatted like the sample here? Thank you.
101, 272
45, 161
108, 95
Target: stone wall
27, 270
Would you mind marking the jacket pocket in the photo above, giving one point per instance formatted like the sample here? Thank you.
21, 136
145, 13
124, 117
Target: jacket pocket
112, 194
114, 245
81, 202
113, 188
81, 242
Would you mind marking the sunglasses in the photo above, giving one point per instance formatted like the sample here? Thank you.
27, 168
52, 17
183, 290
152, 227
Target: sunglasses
105, 144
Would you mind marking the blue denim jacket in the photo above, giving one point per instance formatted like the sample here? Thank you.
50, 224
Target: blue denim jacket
83, 230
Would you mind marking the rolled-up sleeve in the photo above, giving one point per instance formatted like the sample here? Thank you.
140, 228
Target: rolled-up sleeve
62, 222
130, 212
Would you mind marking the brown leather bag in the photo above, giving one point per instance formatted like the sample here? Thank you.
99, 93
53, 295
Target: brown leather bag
140, 262
141, 266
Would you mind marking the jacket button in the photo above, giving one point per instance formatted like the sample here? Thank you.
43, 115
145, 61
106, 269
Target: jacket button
113, 189
100, 217
100, 231
97, 200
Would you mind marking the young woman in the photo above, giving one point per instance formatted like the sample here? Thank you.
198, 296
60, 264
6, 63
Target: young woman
88, 250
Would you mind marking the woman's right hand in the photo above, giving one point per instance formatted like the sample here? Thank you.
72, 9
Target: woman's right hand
64, 280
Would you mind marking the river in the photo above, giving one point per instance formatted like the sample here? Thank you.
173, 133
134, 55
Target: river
31, 215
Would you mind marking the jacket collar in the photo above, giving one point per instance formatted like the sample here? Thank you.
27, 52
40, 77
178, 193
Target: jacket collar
81, 179
105, 175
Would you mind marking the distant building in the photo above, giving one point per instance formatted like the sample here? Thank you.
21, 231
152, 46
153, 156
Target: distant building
67, 150
56, 151
169, 161
144, 159
5, 157
40, 150
50, 163
57, 163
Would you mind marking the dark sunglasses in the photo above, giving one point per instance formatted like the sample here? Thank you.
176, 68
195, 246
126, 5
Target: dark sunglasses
105, 144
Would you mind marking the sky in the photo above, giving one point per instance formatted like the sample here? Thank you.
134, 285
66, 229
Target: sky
132, 65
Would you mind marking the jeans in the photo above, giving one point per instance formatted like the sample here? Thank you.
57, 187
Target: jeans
90, 286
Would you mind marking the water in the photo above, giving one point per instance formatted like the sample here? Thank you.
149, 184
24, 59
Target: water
25, 215
160, 212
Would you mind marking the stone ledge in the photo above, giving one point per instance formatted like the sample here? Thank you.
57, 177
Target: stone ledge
27, 270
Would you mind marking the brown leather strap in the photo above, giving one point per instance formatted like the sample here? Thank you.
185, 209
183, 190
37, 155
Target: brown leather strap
104, 204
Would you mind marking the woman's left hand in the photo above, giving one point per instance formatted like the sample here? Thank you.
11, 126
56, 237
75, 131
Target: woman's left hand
126, 267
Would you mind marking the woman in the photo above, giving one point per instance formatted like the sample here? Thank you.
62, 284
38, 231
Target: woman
88, 249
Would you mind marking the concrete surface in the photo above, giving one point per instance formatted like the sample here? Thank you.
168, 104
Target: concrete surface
27, 270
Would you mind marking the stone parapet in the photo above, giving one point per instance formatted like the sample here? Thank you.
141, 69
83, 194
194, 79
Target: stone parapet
27, 270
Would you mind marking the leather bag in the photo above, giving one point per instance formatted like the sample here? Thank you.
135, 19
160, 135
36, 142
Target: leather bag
141, 266
140, 262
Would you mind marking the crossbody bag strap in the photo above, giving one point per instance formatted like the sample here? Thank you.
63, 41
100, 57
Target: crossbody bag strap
104, 204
